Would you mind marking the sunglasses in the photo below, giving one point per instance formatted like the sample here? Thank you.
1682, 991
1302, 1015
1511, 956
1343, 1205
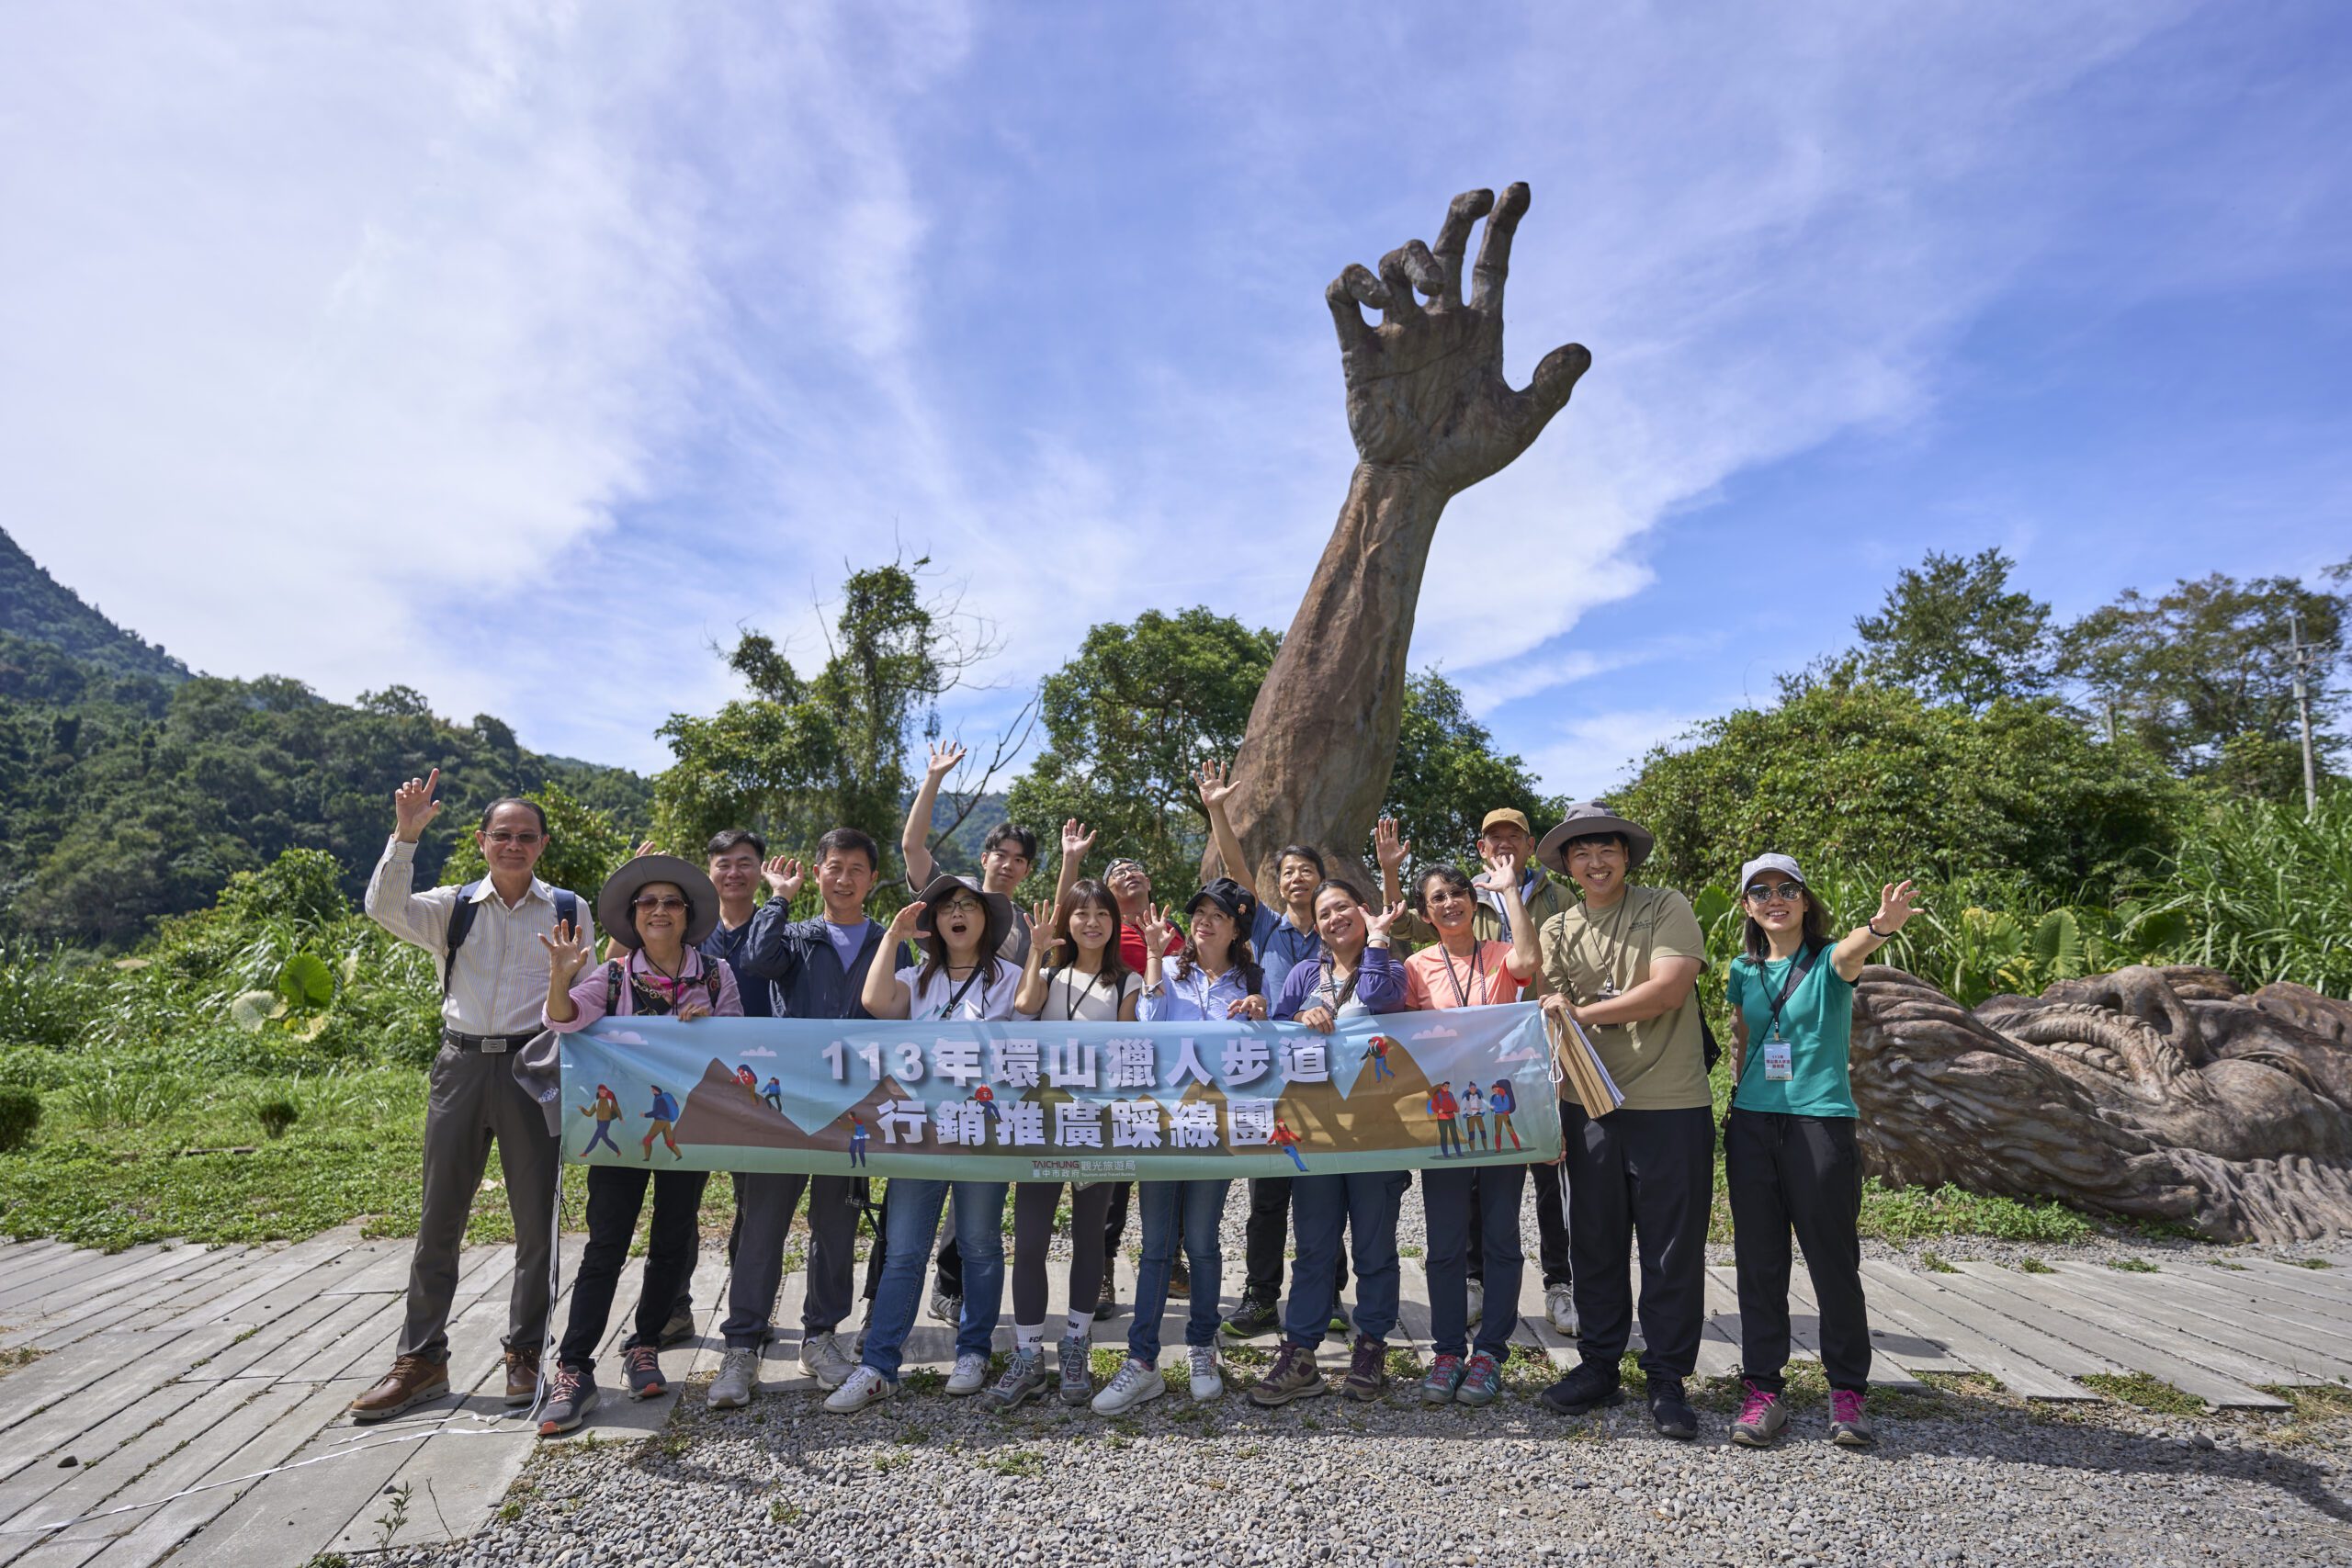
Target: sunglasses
501, 835
1786, 891
658, 901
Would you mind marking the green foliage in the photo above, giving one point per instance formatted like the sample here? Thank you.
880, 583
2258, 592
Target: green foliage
1447, 775
19, 1118
35, 606
2145, 1389
1952, 630
2260, 891
276, 1114
1917, 1213
584, 846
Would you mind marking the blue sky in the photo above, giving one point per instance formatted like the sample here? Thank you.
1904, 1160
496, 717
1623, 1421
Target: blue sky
519, 353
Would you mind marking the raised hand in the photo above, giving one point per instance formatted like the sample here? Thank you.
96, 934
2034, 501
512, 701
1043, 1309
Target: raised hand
1216, 783
1158, 930
1894, 907
1425, 387
1377, 925
414, 806
646, 848
1502, 872
568, 954
946, 756
1251, 1007
784, 877
1388, 847
1076, 840
902, 924
1043, 928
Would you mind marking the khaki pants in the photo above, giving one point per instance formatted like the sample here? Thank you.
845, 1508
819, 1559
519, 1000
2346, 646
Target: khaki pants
474, 1099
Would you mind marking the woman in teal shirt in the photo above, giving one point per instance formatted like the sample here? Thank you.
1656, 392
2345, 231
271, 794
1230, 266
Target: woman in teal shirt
1789, 1155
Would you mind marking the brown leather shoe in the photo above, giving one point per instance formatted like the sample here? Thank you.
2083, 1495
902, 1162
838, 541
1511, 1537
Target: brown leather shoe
523, 1376
411, 1381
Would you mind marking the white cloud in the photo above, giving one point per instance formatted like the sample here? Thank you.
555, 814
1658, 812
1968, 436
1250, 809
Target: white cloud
1588, 756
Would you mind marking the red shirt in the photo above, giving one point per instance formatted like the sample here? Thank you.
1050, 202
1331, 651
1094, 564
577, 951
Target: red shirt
1131, 948
1441, 1102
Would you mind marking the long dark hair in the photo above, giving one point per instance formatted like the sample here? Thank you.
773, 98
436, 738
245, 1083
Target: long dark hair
1816, 928
1088, 891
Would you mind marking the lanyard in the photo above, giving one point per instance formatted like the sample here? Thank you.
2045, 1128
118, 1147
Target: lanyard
954, 1001
1461, 997
1799, 967
1069, 1005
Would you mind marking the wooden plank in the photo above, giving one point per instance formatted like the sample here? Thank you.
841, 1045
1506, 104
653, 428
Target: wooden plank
23, 1296
2310, 1329
387, 1267
125, 1384
2063, 1312
128, 1266
1911, 1300
1412, 1305
2196, 1308
2327, 1285
1719, 1348
2113, 1306
318, 1254
208, 1274
58, 1263
1804, 1331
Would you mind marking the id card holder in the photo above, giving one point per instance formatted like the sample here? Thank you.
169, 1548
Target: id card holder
1779, 1066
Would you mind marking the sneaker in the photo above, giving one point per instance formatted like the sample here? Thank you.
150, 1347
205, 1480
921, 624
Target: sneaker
1671, 1413
948, 1309
1133, 1384
1761, 1415
1253, 1317
571, 1393
1107, 1303
826, 1358
1588, 1386
1850, 1425
1341, 1323
971, 1374
738, 1371
411, 1381
1560, 1306
1482, 1380
642, 1364
522, 1375
678, 1330
1208, 1378
1477, 1302
864, 1386
1445, 1377
1024, 1378
1293, 1376
1078, 1369
1180, 1281
1367, 1376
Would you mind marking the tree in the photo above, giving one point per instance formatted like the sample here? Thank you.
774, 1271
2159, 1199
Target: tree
1952, 630
1127, 723
1447, 775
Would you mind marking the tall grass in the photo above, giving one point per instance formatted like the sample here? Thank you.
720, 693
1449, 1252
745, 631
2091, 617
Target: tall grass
2265, 894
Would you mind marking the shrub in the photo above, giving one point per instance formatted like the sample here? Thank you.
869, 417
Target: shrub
19, 1116
276, 1114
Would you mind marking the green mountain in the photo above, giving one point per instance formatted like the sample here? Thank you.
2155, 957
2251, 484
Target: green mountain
37, 608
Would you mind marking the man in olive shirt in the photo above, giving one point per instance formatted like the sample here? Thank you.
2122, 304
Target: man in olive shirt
1622, 966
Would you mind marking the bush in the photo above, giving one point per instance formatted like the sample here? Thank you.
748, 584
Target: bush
19, 1117
276, 1114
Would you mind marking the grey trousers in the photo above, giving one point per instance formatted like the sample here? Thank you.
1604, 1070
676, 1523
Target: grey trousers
474, 1099
763, 1221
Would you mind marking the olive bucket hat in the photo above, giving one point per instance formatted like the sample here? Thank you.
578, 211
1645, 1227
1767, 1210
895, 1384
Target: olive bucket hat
1587, 819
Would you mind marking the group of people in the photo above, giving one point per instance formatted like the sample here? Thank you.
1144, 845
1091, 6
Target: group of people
1557, 921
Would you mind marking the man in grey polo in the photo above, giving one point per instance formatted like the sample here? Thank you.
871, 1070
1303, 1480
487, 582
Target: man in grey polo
494, 985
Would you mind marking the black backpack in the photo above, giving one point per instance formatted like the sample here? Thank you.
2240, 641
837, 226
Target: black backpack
462, 921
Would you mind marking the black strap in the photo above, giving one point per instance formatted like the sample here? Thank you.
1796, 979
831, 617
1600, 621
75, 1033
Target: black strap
956, 1001
1799, 967
1461, 997
461, 921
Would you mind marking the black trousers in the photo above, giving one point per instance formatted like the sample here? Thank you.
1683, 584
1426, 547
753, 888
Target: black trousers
1551, 1228
1267, 1237
615, 1198
1645, 1175
1800, 1174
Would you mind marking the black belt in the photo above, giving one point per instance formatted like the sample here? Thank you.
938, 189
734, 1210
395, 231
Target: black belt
491, 1043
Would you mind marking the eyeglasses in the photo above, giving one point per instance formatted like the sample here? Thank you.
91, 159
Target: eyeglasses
1786, 893
502, 837
962, 906
658, 901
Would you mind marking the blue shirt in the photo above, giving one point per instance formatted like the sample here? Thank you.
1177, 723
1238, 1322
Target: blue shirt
726, 945
1193, 996
847, 940
664, 1108
1281, 947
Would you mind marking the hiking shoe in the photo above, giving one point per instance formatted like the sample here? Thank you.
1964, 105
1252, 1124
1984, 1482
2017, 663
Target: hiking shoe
571, 1393
864, 1386
642, 1364
739, 1370
1107, 1303
1293, 1377
1078, 1369
1850, 1425
522, 1375
1445, 1377
1208, 1378
1761, 1415
1180, 1281
411, 1381
1560, 1306
826, 1358
1253, 1317
678, 1330
1588, 1386
1024, 1378
1367, 1376
948, 1309
1341, 1323
1671, 1413
1482, 1380
1477, 1302
971, 1374
1133, 1384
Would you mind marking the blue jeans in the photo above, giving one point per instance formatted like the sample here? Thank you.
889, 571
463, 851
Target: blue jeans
1368, 1200
1445, 1200
906, 1258
1202, 1203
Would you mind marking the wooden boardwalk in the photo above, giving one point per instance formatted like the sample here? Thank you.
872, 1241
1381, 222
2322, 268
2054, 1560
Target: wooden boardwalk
169, 1377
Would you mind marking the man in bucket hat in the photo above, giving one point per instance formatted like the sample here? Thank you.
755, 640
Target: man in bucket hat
1622, 966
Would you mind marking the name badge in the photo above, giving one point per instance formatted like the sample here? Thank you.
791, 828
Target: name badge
1778, 1065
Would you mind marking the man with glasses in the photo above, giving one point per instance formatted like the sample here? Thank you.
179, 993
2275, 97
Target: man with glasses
491, 940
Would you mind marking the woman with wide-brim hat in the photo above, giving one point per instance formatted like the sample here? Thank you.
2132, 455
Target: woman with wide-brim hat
659, 907
1624, 966
960, 928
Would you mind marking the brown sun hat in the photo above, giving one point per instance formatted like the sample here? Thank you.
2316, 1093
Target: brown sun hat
614, 899
1585, 819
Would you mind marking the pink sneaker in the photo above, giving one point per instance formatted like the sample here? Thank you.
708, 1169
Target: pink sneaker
1762, 1416
1848, 1425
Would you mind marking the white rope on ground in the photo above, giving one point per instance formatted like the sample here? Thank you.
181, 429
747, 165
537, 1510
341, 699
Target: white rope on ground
358, 1442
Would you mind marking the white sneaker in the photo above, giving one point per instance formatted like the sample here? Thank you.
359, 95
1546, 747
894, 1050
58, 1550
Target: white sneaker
971, 1374
1134, 1383
739, 1370
1477, 1302
864, 1386
826, 1358
948, 1309
1208, 1381
1560, 1305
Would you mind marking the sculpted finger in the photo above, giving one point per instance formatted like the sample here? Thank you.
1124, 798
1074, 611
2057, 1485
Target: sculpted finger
1494, 248
1397, 278
1555, 377
1453, 239
1348, 293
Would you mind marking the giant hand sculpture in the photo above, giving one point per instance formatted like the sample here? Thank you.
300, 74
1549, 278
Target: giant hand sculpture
1431, 415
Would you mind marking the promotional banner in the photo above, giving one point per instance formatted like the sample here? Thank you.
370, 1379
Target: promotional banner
1043, 1102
